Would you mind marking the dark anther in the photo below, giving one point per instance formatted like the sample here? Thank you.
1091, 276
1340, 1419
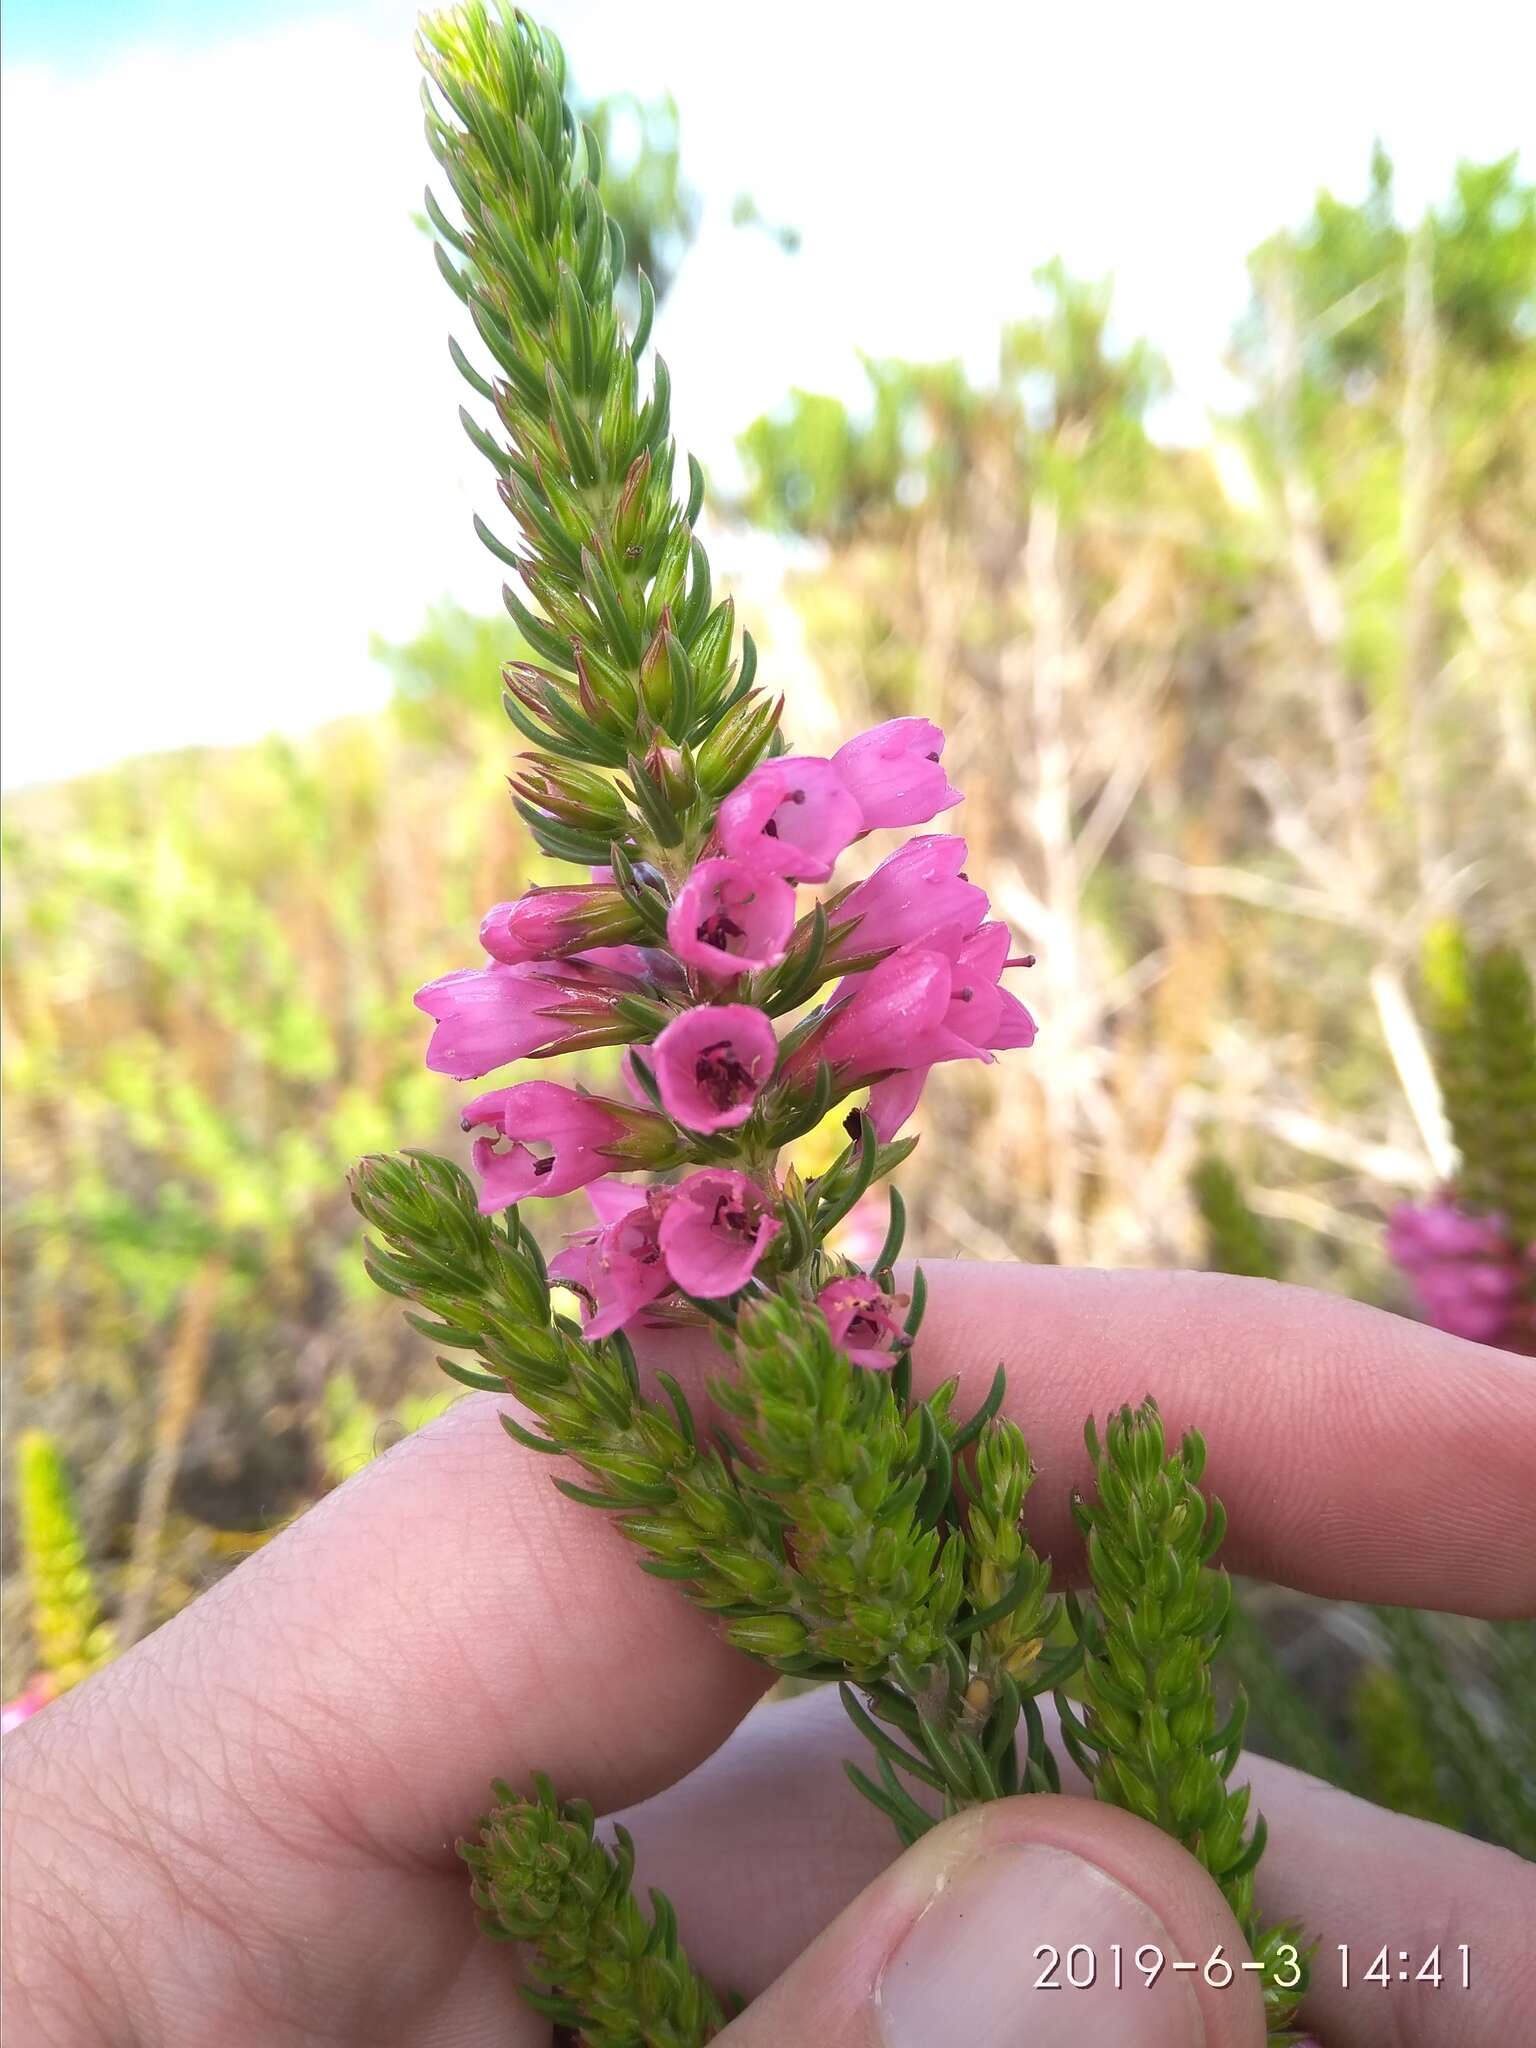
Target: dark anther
731, 1217
719, 928
720, 1075
543, 1166
852, 1123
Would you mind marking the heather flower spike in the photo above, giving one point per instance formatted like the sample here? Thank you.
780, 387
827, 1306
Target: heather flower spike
857, 1529
1467, 1272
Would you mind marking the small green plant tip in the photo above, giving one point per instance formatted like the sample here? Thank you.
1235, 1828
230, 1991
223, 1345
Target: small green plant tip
541, 1877
1148, 1736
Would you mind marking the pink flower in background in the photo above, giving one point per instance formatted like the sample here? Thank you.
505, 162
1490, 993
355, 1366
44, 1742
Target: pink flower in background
791, 817
586, 1139
717, 1226
728, 920
26, 1703
619, 1267
861, 1234
895, 773
916, 891
1466, 1274
489, 1016
862, 1321
711, 1064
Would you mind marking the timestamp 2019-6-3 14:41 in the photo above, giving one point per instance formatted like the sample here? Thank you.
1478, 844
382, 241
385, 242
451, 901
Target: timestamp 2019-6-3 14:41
1078, 1967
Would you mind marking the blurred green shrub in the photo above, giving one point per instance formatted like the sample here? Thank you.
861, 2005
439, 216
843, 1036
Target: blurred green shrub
207, 972
69, 1636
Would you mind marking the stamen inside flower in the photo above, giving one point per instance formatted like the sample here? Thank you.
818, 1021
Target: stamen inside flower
734, 1215
636, 1240
722, 1078
790, 796
719, 928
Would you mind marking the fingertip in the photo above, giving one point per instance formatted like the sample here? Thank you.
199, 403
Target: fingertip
1044, 1919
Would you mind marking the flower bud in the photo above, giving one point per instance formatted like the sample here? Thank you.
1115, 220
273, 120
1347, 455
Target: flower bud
546, 923
577, 796
656, 675
768, 1635
671, 770
737, 744
629, 514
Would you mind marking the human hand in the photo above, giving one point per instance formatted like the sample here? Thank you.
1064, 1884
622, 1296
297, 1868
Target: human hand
243, 1830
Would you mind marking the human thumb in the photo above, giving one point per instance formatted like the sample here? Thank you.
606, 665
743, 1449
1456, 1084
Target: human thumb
1023, 1924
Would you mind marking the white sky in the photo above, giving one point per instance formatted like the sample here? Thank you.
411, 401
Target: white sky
230, 450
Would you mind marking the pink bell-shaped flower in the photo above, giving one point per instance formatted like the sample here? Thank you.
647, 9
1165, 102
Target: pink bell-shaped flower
729, 920
712, 1063
915, 892
586, 1138
791, 817
619, 1267
894, 773
717, 1226
862, 1321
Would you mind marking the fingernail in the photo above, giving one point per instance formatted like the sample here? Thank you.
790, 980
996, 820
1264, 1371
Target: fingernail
1005, 1953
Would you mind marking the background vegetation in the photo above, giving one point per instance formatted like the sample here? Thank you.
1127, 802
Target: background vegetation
1241, 724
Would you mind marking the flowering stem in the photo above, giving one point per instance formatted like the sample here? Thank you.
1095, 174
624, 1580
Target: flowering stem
847, 1530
